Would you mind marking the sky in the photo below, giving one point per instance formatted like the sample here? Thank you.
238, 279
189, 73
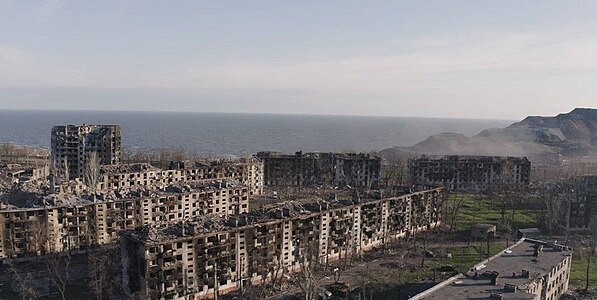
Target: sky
460, 59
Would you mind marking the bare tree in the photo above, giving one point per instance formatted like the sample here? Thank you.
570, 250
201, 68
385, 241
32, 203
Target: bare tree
254, 291
592, 249
39, 232
97, 274
555, 210
92, 172
452, 208
7, 152
58, 266
178, 154
556, 198
65, 172
21, 154
103, 273
308, 279
503, 200
164, 157
394, 173
4, 149
277, 271
23, 280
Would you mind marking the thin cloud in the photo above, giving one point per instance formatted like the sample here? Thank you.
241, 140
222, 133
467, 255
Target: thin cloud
491, 71
388, 73
409, 71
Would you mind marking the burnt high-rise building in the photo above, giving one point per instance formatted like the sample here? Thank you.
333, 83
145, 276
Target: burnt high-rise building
72, 145
358, 170
583, 207
471, 173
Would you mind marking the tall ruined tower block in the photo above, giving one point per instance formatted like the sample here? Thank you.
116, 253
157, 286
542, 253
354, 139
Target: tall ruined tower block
71, 146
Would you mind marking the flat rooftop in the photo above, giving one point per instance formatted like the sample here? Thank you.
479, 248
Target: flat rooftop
507, 263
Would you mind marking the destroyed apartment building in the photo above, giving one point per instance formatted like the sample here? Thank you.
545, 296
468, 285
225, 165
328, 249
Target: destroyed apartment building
72, 147
209, 256
247, 170
18, 173
72, 223
321, 169
80, 212
583, 206
471, 173
123, 177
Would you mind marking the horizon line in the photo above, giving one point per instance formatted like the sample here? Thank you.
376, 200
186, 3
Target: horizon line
247, 113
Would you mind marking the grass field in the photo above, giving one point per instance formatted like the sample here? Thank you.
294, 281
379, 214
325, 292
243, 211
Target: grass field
578, 273
481, 209
476, 209
395, 283
464, 258
411, 279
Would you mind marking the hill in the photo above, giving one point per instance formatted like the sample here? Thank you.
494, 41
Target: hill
572, 134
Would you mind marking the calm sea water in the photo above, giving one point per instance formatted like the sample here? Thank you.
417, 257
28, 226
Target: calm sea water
236, 134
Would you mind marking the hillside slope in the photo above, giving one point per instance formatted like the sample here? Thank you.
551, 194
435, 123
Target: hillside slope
572, 134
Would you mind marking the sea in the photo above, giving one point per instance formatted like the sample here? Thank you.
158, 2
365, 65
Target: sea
234, 134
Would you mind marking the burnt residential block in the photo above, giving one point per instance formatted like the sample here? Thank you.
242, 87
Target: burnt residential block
471, 173
71, 146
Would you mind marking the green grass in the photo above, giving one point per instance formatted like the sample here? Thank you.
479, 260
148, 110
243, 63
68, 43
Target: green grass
464, 258
481, 209
578, 273
390, 283
474, 209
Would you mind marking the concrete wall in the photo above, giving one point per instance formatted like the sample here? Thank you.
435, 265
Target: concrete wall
258, 250
30, 232
470, 173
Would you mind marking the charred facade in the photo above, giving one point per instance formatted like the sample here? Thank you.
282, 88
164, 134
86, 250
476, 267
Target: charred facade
72, 145
583, 207
248, 171
471, 173
74, 224
321, 169
143, 176
204, 257
18, 173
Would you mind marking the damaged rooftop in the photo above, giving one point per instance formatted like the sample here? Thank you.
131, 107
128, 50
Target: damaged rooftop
127, 168
270, 213
21, 200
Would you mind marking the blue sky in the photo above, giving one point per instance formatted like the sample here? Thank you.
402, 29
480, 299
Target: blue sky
471, 59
